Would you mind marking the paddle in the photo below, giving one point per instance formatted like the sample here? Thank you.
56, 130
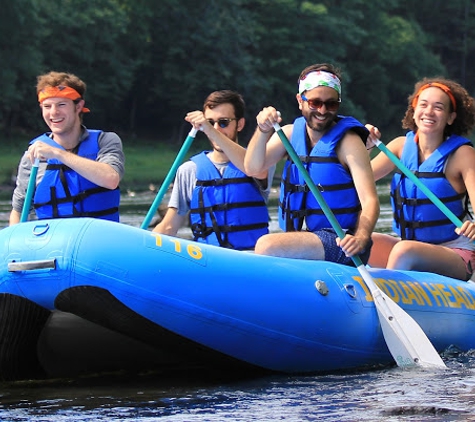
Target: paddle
405, 339
29, 191
436, 201
169, 178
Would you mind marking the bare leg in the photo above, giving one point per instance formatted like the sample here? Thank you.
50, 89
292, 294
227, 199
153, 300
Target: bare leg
382, 246
302, 245
421, 256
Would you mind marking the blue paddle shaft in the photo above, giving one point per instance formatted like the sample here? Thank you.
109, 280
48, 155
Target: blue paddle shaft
169, 178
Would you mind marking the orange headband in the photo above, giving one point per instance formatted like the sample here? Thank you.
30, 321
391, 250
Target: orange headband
62, 92
443, 87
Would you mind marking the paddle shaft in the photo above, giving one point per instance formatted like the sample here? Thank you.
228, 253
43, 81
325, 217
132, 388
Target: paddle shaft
313, 188
405, 339
436, 201
29, 191
169, 178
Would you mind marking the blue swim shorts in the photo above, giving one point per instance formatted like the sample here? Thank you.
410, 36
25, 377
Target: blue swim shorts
334, 253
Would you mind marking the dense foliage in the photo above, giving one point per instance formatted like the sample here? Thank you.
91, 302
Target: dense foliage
148, 62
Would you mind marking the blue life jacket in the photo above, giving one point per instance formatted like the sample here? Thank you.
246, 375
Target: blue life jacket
228, 210
64, 193
415, 216
297, 203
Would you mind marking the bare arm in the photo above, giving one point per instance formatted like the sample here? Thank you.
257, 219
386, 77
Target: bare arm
460, 173
381, 164
233, 150
102, 174
265, 148
171, 223
14, 217
19, 193
352, 153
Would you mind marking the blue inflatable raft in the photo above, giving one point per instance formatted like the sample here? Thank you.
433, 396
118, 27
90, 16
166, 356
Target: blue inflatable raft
208, 304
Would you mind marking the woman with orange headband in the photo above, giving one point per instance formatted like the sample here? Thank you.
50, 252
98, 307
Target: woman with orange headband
439, 116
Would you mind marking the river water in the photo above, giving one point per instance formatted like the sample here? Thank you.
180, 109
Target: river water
390, 394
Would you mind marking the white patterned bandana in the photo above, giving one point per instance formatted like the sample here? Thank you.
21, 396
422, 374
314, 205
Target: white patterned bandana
320, 78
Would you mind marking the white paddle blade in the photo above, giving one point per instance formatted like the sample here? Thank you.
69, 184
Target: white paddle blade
405, 339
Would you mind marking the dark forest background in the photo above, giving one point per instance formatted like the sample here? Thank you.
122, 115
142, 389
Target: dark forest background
148, 62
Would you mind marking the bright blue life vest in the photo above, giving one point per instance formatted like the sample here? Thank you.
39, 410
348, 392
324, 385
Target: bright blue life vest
64, 193
415, 216
297, 203
228, 210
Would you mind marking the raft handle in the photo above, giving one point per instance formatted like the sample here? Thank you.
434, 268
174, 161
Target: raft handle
351, 290
32, 265
40, 229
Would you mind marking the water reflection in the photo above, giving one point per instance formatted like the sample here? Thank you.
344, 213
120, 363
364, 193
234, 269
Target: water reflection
390, 394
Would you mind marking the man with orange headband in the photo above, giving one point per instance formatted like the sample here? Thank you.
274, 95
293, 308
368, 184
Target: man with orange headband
332, 147
439, 115
80, 169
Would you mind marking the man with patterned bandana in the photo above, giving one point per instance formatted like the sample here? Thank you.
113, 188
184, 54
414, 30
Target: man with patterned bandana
332, 148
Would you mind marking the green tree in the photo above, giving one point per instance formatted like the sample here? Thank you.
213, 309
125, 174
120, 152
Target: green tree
21, 60
191, 49
148, 62
388, 60
86, 38
450, 27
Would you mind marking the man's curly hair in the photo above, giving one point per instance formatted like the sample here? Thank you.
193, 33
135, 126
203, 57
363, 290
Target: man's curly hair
61, 78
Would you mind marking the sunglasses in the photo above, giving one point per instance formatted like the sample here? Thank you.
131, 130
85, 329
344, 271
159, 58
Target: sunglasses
222, 123
314, 104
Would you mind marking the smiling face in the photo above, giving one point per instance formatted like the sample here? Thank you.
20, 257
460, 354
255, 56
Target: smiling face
432, 112
320, 119
62, 115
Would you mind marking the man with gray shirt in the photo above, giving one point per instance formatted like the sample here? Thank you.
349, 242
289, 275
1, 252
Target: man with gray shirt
80, 168
226, 207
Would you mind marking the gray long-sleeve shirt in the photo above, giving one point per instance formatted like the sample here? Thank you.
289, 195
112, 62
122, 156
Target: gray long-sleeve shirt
110, 152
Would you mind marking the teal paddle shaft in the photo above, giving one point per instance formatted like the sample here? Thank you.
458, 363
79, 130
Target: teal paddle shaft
436, 201
29, 192
169, 178
313, 188
406, 341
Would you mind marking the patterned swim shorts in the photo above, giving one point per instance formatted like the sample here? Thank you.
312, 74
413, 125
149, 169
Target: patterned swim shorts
334, 253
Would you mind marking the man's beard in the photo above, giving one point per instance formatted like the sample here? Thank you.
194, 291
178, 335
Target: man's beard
316, 125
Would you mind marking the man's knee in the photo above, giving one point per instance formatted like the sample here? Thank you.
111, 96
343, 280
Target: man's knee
263, 245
